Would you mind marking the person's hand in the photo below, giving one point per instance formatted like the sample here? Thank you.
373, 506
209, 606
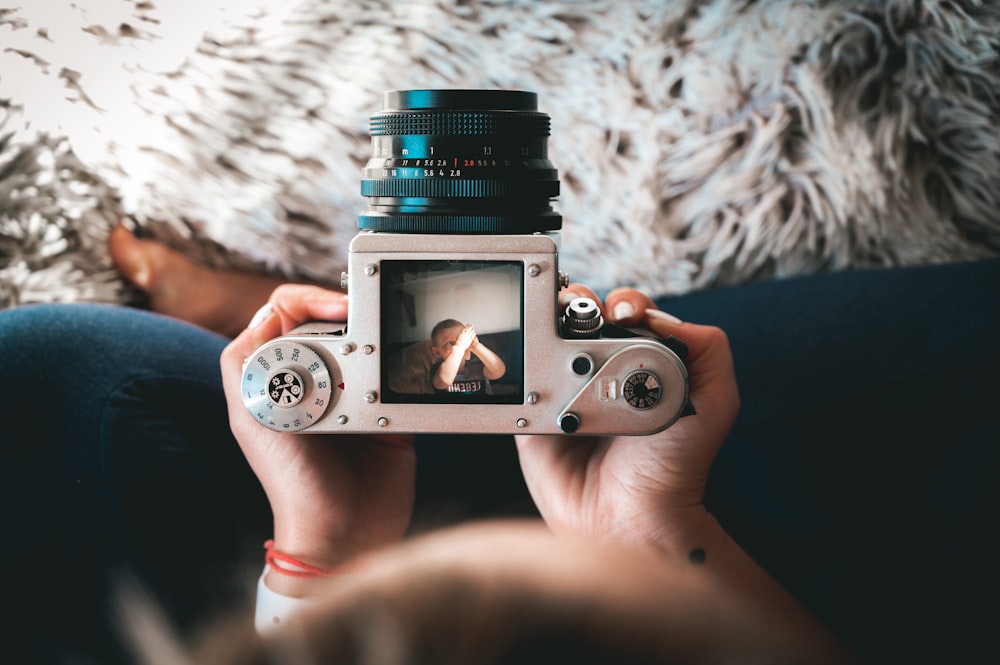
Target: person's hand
466, 338
633, 488
646, 492
333, 496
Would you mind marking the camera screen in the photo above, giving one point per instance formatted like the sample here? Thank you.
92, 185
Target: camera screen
452, 332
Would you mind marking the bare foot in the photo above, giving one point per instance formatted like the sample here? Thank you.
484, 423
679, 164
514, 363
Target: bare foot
221, 301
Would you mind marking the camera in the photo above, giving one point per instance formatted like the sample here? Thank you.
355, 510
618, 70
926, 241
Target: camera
453, 280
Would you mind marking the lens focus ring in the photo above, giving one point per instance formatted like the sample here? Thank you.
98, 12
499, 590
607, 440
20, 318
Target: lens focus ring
459, 123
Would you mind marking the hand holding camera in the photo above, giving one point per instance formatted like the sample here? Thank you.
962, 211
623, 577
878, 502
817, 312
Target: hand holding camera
332, 496
642, 491
335, 496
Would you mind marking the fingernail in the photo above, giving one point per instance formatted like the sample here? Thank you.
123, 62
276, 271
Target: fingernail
663, 316
623, 310
261, 316
566, 297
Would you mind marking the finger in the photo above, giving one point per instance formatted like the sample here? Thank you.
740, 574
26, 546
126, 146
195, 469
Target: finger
265, 325
712, 375
574, 291
663, 323
297, 303
288, 306
627, 306
698, 338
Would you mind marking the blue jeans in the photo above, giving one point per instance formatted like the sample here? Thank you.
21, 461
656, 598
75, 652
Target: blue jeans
118, 466
861, 472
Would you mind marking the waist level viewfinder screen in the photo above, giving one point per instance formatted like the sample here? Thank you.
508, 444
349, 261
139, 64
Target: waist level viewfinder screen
452, 332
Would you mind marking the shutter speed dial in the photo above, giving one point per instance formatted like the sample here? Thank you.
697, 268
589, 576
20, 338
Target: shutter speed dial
286, 386
641, 389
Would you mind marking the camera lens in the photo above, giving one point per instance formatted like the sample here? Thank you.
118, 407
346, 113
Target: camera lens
460, 161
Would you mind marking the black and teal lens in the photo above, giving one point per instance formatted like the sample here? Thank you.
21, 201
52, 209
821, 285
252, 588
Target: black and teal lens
460, 161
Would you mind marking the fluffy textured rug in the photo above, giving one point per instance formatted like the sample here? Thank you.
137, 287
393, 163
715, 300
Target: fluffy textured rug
699, 142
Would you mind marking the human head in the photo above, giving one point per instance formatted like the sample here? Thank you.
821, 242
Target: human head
499, 593
443, 337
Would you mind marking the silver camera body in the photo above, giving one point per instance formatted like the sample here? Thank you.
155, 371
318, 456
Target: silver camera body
562, 376
456, 331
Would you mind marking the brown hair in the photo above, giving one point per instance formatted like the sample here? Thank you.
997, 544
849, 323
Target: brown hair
444, 325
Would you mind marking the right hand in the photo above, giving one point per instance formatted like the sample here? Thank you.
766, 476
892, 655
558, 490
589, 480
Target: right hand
333, 496
636, 490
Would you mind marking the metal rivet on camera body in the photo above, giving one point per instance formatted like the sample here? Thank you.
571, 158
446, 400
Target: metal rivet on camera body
368, 349
521, 423
534, 270
383, 422
342, 420
371, 269
371, 396
533, 397
346, 349
563, 280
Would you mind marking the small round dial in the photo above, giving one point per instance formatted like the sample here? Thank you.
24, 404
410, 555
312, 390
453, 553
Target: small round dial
286, 386
642, 389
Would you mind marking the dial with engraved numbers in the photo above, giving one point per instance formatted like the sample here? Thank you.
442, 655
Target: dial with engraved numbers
286, 386
641, 389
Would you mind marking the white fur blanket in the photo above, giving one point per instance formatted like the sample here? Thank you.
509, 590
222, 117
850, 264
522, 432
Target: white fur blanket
699, 142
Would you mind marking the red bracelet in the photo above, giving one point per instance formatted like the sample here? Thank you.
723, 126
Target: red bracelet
288, 565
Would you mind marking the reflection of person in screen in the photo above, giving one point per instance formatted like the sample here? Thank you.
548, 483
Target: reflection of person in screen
465, 364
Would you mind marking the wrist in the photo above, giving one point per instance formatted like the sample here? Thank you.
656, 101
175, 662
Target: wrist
685, 534
331, 545
290, 576
313, 545
292, 587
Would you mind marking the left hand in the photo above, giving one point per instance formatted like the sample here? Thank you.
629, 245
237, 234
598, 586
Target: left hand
333, 496
635, 489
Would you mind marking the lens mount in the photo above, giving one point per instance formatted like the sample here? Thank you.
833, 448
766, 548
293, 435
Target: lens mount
460, 161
